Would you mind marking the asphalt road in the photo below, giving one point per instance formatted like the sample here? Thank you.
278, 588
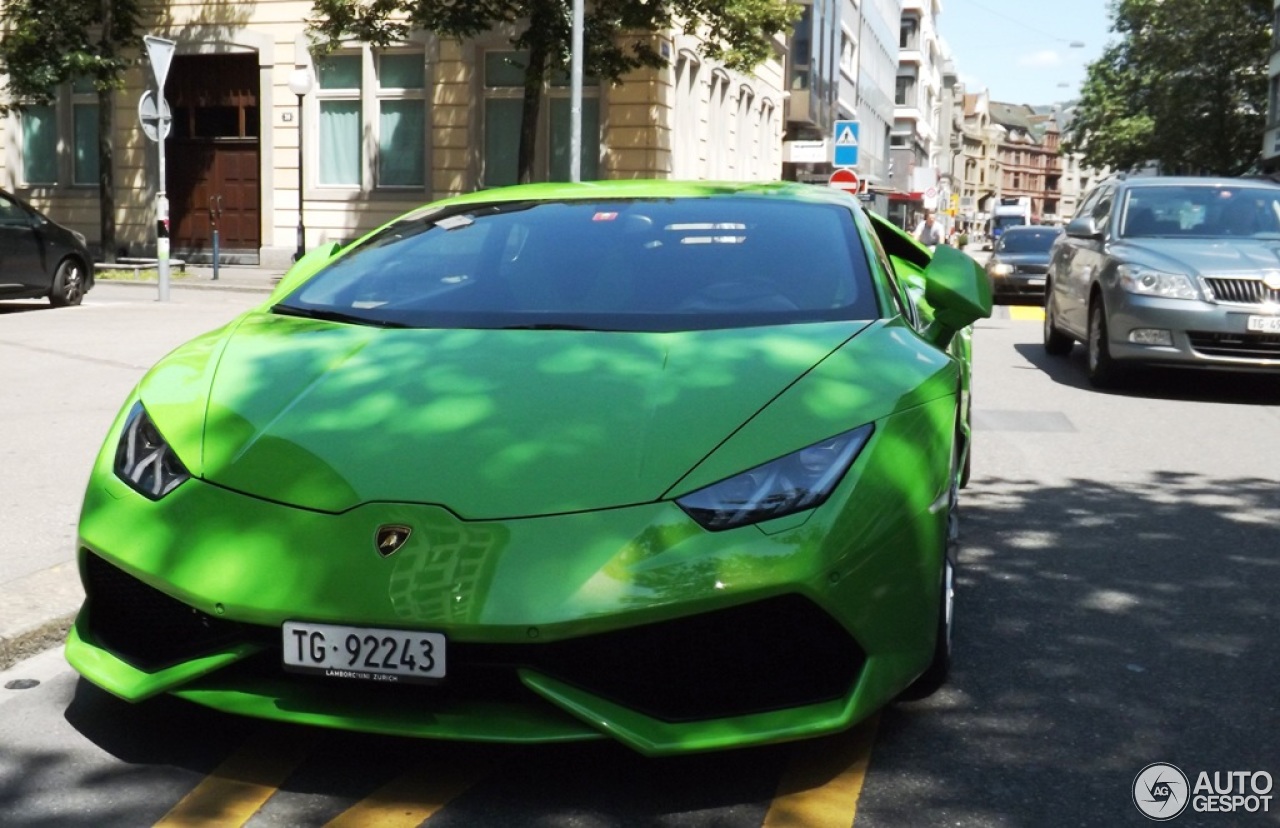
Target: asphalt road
64, 374
1117, 607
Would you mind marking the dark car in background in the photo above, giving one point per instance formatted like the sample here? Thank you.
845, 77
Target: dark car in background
1020, 260
1172, 271
40, 258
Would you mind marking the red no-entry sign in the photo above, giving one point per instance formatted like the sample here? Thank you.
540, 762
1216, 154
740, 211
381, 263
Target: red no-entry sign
847, 180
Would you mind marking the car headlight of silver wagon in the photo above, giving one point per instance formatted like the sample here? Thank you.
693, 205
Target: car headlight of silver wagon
1147, 281
801, 480
144, 460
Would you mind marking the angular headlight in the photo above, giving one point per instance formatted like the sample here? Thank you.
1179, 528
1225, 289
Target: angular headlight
144, 460
1148, 282
801, 480
1001, 269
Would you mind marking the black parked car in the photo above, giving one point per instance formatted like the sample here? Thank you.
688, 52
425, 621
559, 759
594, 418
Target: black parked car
39, 257
1020, 261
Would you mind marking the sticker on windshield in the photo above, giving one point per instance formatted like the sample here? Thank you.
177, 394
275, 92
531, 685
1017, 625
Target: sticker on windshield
454, 222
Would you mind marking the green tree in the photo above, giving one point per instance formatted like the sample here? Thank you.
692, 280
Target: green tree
1185, 87
46, 43
737, 32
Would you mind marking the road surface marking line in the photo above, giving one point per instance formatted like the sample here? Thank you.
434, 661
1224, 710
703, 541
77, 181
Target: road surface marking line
821, 789
1026, 313
411, 798
242, 784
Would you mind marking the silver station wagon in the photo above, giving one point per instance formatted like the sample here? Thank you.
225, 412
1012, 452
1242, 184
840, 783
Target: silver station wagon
1174, 271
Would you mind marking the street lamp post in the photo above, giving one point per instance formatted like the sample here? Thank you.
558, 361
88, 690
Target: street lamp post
300, 84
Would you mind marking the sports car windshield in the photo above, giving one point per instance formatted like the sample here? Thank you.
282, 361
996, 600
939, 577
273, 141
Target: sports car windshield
625, 265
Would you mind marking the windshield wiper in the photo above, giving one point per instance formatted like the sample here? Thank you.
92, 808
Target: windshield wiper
330, 315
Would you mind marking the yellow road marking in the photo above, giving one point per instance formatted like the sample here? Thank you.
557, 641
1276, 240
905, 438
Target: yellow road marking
409, 799
1026, 313
821, 787
242, 784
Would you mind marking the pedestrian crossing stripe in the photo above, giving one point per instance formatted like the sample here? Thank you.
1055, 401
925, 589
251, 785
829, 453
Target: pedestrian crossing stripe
1026, 313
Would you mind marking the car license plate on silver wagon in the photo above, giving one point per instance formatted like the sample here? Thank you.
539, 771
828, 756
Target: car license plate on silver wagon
363, 652
1264, 324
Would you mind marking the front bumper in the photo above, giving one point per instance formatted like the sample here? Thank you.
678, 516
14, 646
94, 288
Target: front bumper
632, 623
1204, 335
1020, 283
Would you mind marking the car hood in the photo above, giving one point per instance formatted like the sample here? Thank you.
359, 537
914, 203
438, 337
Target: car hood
1021, 258
490, 424
1204, 257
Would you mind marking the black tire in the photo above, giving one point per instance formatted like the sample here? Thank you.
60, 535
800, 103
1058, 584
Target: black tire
1104, 372
1056, 343
935, 675
68, 284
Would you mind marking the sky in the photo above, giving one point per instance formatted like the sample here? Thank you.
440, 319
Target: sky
1020, 50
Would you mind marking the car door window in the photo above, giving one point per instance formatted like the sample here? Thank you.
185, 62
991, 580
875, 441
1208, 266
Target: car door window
1101, 211
12, 214
1090, 199
902, 298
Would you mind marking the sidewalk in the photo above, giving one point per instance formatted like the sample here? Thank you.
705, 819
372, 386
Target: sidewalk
37, 610
201, 277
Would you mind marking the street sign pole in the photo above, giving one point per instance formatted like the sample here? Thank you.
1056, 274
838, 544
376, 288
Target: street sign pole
160, 53
575, 94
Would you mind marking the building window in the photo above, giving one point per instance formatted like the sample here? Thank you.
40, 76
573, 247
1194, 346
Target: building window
339, 96
745, 134
802, 50
905, 91
685, 140
373, 119
401, 120
767, 132
848, 55
718, 123
907, 35
40, 144
84, 126
503, 102
559, 98
59, 140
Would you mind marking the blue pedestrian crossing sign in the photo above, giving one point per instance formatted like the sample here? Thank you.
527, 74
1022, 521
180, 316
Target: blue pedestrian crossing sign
846, 143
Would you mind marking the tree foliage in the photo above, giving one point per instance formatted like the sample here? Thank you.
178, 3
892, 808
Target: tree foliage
47, 43
736, 32
1184, 87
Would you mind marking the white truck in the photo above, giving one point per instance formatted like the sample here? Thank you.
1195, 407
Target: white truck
1009, 211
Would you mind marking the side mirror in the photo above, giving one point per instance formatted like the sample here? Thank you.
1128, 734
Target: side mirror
959, 292
304, 269
1084, 227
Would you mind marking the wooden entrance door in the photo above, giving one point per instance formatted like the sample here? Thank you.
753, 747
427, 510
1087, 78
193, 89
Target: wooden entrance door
213, 155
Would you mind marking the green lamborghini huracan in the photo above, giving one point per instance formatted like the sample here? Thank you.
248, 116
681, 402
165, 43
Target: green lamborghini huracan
669, 463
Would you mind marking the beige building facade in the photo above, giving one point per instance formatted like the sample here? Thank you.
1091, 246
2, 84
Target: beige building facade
379, 132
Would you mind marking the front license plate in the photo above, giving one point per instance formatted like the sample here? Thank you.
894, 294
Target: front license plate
1036, 282
1264, 324
363, 652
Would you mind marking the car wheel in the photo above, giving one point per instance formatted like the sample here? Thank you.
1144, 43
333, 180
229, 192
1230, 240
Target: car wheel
68, 284
935, 675
1103, 370
1056, 343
